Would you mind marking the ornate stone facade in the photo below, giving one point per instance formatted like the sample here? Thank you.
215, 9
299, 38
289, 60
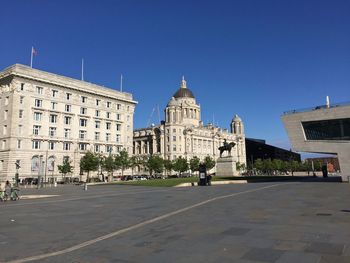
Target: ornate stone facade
46, 117
183, 133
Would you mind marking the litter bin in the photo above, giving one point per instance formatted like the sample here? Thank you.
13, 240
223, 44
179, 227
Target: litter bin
202, 175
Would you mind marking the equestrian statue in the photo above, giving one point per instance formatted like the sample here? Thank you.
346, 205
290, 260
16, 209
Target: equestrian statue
226, 147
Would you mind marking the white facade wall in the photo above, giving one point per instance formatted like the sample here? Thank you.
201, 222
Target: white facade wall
35, 106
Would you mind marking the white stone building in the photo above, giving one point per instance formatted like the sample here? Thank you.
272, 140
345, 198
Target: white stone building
183, 133
46, 117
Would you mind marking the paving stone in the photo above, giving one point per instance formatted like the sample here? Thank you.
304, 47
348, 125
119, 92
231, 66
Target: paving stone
298, 257
334, 259
263, 254
325, 248
290, 245
235, 231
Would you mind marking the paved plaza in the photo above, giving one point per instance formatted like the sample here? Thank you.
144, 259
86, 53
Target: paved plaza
262, 222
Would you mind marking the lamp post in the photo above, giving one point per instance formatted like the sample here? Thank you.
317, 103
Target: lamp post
40, 171
17, 175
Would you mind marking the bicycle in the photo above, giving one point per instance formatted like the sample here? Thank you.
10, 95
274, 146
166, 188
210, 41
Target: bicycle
14, 194
3, 196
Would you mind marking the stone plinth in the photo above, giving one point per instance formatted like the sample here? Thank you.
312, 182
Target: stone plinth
226, 166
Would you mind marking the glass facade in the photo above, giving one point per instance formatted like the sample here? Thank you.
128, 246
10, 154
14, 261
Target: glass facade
336, 129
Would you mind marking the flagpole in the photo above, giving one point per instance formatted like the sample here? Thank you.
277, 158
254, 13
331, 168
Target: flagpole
121, 83
82, 69
31, 58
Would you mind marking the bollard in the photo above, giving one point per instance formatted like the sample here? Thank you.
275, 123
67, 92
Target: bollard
85, 186
55, 184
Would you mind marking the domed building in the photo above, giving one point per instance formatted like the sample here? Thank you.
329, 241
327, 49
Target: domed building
184, 134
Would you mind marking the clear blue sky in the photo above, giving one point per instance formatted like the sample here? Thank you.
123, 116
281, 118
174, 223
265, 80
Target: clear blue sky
251, 58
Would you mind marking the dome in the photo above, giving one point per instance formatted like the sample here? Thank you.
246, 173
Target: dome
236, 118
183, 91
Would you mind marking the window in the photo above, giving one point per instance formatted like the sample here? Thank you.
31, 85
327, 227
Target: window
128, 128
119, 106
83, 122
118, 117
127, 118
167, 138
97, 124
82, 146
68, 96
54, 105
108, 115
83, 99
39, 90
174, 138
19, 144
97, 113
38, 103
20, 129
4, 131
35, 163
53, 118
66, 146
5, 114
336, 129
174, 130
108, 125
51, 163
35, 145
98, 102
21, 99
97, 148
20, 114
37, 116
67, 133
54, 93
51, 146
119, 127
174, 148
22, 86
36, 129
52, 131
68, 108
108, 104
97, 136
108, 137
109, 148
83, 110
67, 120
3, 144
82, 135
127, 108
117, 138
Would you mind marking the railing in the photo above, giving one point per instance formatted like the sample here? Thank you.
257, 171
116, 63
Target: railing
341, 104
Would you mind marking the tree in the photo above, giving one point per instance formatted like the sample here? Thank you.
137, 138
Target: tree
133, 162
168, 166
240, 167
180, 165
209, 163
89, 162
194, 164
259, 165
109, 165
155, 164
65, 167
294, 166
122, 161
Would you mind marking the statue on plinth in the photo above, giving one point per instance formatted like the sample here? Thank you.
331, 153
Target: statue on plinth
226, 147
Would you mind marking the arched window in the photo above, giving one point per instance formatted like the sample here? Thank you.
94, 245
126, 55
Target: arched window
51, 163
35, 163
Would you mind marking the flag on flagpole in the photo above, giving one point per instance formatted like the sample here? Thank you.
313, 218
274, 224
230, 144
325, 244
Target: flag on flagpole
33, 53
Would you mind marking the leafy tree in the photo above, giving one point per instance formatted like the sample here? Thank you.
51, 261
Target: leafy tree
168, 166
122, 161
134, 162
180, 165
278, 165
155, 164
259, 165
209, 163
294, 166
89, 162
65, 167
240, 167
109, 165
194, 164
